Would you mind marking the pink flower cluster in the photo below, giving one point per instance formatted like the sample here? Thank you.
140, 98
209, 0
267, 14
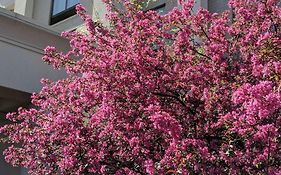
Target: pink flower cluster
182, 93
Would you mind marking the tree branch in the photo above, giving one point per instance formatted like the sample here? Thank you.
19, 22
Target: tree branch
171, 96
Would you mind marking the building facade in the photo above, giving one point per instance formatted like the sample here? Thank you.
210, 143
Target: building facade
27, 27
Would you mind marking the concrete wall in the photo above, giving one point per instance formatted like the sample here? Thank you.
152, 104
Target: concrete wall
22, 68
200, 4
24, 7
42, 12
21, 48
217, 6
10, 100
5, 168
169, 5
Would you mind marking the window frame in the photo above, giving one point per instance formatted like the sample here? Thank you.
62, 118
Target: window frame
66, 13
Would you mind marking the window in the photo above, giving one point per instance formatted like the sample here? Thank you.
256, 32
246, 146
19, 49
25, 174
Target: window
62, 9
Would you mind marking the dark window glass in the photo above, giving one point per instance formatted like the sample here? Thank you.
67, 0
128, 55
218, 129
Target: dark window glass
62, 9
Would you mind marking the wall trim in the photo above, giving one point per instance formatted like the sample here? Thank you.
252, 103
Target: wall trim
21, 45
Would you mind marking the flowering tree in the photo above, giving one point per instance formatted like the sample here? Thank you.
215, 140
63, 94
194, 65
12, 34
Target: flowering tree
182, 93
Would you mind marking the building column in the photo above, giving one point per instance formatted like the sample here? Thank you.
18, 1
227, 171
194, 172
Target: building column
24, 7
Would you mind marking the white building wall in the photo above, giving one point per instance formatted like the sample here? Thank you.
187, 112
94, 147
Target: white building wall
217, 6
24, 7
21, 68
21, 46
42, 13
40, 10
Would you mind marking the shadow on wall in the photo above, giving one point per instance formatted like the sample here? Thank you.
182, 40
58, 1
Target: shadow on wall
10, 100
5, 168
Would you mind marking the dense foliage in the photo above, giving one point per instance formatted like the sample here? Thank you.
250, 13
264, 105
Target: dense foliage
184, 93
